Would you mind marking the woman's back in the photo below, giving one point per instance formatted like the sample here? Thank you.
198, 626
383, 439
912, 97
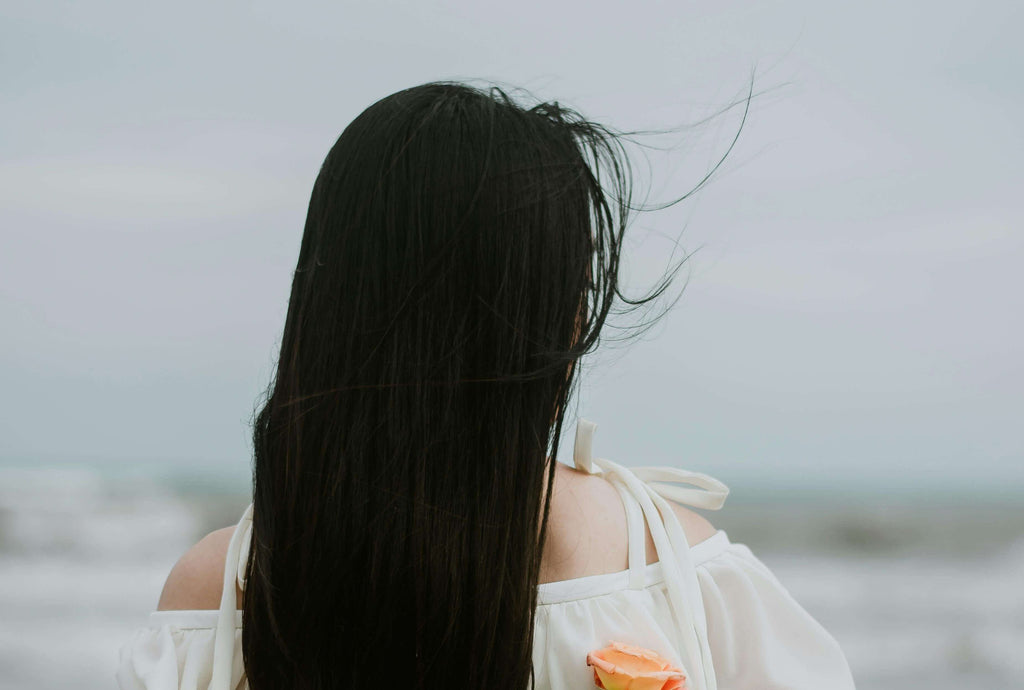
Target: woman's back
587, 536
590, 594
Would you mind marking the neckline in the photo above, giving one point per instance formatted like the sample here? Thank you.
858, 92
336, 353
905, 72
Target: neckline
590, 586
558, 592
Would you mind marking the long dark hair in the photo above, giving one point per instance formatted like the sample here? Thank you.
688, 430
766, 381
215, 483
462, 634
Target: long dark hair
460, 253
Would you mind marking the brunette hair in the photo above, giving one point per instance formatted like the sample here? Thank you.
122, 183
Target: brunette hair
460, 254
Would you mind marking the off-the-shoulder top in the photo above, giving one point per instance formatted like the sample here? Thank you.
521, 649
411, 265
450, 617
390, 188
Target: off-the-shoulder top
713, 609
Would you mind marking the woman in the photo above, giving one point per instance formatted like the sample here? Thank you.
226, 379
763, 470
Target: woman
410, 523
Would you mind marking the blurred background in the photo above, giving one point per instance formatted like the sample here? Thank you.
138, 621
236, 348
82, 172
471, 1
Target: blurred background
846, 354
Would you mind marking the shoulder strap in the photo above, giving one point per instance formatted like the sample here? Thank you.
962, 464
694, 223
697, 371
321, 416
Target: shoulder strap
234, 567
636, 540
706, 492
669, 539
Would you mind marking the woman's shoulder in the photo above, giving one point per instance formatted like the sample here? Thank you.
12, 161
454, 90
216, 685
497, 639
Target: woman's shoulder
602, 494
196, 580
587, 528
587, 536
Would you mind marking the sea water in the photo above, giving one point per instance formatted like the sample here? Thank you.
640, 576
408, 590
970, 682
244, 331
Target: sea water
919, 594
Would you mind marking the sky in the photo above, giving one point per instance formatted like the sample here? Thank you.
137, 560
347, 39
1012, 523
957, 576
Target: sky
852, 307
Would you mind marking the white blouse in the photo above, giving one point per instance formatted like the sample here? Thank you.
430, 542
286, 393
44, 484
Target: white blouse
714, 610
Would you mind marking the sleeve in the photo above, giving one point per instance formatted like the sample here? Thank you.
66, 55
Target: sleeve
760, 637
172, 658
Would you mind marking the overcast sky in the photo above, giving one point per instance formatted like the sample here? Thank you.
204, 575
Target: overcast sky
853, 312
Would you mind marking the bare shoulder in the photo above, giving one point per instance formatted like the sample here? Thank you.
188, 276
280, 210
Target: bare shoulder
695, 526
195, 581
588, 528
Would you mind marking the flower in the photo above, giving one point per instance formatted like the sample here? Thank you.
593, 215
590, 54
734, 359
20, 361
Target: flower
623, 667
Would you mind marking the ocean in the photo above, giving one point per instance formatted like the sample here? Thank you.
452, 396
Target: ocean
919, 593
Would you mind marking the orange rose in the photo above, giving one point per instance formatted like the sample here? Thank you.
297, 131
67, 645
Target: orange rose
622, 667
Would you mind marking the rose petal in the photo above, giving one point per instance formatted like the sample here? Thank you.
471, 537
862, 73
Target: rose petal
625, 667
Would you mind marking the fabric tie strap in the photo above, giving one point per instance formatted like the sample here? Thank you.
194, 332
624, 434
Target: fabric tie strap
234, 566
651, 489
706, 493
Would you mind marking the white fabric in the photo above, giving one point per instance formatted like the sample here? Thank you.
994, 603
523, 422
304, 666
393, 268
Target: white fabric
712, 609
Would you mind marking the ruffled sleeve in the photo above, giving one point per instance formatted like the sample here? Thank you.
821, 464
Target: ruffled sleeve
759, 635
175, 651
